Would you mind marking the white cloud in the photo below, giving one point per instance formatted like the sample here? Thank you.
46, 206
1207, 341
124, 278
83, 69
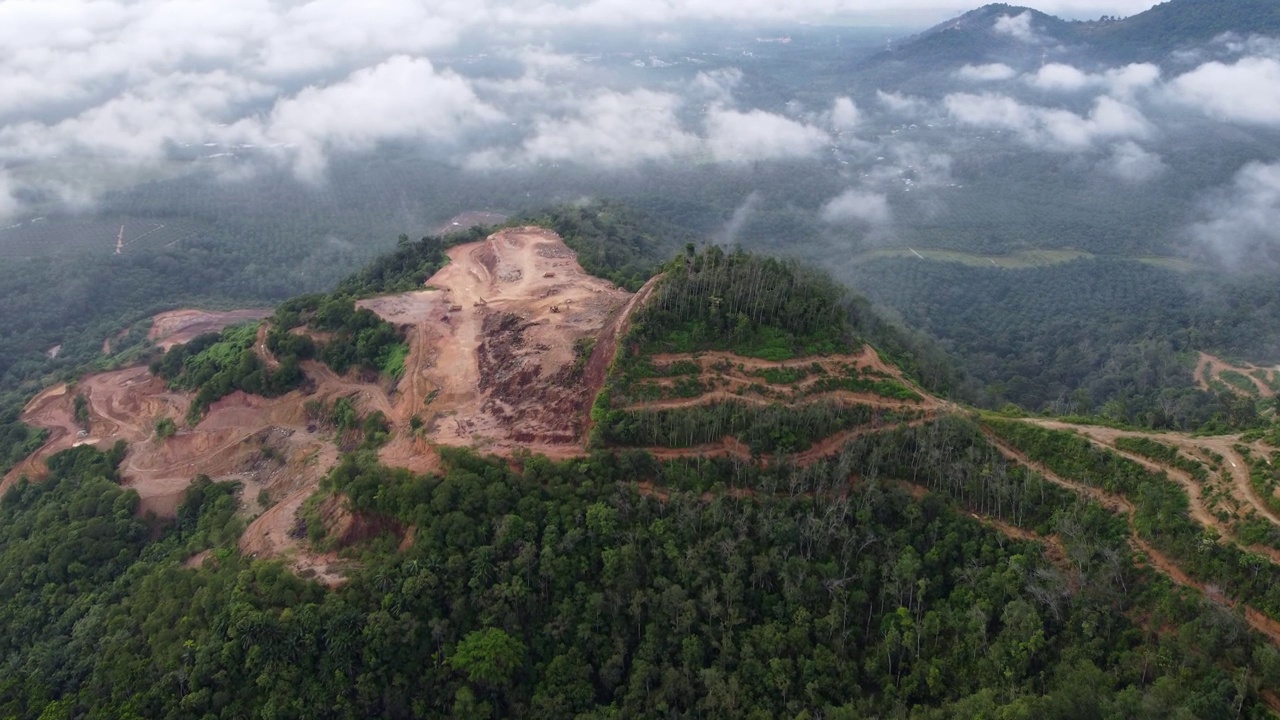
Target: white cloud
844, 114
319, 34
1247, 91
717, 85
902, 104
738, 220
1016, 26
138, 126
128, 81
734, 136
1049, 128
993, 72
855, 205
1123, 81
1131, 163
1252, 45
8, 203
1056, 76
1242, 225
610, 129
910, 161
402, 98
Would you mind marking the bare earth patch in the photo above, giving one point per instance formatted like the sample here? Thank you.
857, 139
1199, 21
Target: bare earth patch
491, 349
181, 326
492, 363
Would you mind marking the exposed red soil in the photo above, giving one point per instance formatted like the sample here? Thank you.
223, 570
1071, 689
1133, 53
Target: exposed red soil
275, 534
842, 396
1055, 552
605, 351
498, 368
1213, 368
180, 326
1264, 624
1224, 445
733, 377
491, 346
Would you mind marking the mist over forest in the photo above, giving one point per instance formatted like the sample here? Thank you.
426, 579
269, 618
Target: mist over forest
606, 359
942, 171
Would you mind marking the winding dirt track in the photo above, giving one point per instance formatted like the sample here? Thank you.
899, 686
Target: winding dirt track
1257, 620
843, 396
1215, 366
1223, 445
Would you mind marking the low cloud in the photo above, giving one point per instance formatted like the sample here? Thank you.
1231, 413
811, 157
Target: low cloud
901, 104
1057, 76
402, 98
8, 203
1016, 26
912, 166
845, 116
1132, 164
1247, 91
734, 136
729, 234
993, 72
717, 86
1049, 128
610, 129
858, 206
1242, 222
1123, 81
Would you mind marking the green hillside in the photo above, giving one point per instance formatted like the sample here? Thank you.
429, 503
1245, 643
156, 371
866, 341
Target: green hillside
913, 571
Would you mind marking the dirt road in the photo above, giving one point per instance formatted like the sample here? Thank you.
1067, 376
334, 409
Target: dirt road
1213, 367
1259, 621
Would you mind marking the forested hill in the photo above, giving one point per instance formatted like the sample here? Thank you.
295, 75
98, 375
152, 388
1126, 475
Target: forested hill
771, 522
989, 33
1180, 23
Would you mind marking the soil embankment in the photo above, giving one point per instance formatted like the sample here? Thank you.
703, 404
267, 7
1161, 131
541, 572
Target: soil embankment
181, 326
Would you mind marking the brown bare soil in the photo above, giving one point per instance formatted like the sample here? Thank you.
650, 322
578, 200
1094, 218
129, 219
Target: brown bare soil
1240, 488
1212, 367
491, 347
842, 396
722, 369
607, 343
230, 443
180, 326
1264, 624
492, 363
275, 534
735, 378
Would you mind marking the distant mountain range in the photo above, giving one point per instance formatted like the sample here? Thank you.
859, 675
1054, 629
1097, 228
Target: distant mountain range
1019, 35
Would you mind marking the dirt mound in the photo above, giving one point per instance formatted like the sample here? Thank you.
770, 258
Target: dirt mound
179, 326
492, 348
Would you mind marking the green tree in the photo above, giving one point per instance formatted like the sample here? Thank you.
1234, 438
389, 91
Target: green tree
488, 657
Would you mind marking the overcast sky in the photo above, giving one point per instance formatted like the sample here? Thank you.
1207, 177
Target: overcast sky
129, 83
